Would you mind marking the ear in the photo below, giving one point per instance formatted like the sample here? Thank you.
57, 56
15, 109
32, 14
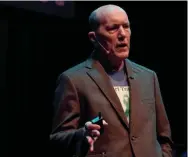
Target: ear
92, 37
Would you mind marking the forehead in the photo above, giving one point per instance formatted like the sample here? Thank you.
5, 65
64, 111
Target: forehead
113, 15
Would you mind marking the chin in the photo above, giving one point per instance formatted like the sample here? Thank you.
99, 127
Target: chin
123, 55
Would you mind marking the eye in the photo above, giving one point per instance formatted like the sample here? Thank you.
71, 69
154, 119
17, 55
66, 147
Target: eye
112, 28
126, 25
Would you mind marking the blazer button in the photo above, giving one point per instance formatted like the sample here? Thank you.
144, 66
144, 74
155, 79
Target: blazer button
133, 138
103, 154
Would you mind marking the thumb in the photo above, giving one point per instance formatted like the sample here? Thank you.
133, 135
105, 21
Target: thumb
104, 122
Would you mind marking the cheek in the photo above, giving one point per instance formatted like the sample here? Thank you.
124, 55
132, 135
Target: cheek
112, 43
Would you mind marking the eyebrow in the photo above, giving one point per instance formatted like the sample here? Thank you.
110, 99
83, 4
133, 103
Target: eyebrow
117, 24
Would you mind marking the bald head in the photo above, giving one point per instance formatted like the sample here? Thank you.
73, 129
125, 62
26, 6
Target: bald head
110, 32
98, 14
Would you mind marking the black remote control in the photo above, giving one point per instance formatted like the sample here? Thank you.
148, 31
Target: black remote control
99, 120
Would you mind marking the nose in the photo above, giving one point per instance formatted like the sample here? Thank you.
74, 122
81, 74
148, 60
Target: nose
121, 33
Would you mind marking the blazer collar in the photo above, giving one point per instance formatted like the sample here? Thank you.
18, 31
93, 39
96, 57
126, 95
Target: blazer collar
100, 77
130, 68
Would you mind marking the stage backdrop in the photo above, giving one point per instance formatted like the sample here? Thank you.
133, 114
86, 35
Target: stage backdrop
63, 9
41, 46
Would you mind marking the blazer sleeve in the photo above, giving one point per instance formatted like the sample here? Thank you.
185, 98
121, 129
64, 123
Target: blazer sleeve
163, 126
66, 137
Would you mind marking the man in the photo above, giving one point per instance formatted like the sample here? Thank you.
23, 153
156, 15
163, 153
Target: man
127, 95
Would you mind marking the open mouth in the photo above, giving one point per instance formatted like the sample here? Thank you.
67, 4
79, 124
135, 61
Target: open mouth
122, 45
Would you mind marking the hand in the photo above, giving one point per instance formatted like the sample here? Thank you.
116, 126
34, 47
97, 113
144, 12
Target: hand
93, 133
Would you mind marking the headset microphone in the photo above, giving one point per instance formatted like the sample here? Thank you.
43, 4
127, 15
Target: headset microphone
102, 46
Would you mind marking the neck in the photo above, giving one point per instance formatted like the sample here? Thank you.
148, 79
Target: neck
109, 64
119, 66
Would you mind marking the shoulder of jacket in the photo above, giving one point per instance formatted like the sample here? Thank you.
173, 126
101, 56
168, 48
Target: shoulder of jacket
141, 68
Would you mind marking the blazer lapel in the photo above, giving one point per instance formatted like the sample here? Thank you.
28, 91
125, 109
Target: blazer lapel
99, 76
135, 99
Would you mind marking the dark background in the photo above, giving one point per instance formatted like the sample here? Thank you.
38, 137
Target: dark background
36, 47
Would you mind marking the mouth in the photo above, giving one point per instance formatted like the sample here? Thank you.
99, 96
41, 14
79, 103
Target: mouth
122, 46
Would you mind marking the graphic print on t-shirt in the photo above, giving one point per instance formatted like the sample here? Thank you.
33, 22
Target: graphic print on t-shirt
121, 87
123, 94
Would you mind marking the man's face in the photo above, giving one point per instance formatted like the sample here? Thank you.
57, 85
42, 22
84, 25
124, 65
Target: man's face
114, 33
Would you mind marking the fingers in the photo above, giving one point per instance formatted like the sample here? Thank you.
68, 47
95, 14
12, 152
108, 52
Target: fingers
92, 138
92, 133
90, 126
104, 122
92, 148
95, 133
91, 143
